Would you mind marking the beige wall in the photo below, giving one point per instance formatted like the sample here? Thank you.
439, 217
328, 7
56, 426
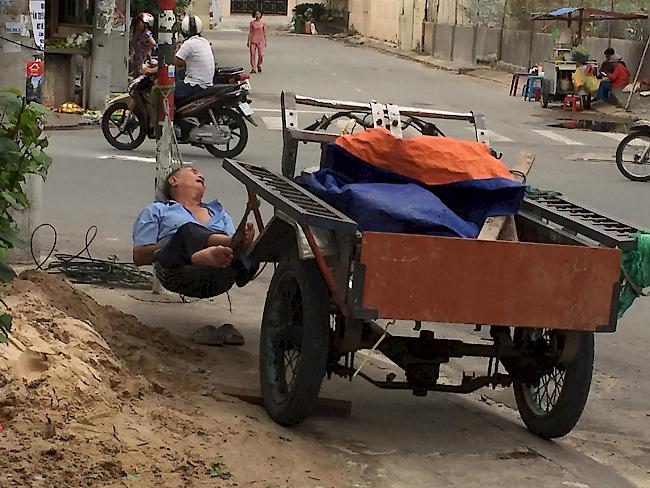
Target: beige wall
455, 11
376, 18
398, 21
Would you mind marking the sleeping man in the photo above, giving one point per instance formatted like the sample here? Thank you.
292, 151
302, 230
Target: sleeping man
183, 230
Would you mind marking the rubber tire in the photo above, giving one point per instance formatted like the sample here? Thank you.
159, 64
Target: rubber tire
619, 157
573, 398
546, 93
109, 138
241, 145
315, 341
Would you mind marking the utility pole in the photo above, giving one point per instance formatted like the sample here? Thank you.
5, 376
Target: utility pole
165, 91
165, 87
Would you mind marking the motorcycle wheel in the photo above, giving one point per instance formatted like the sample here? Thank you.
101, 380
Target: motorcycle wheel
237, 143
119, 123
633, 156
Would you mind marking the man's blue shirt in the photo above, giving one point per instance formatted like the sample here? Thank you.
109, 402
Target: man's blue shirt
161, 220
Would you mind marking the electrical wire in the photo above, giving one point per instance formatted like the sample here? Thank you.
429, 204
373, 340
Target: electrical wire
88, 270
22, 45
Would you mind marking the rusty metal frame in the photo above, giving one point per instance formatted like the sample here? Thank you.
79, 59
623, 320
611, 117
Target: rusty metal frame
388, 116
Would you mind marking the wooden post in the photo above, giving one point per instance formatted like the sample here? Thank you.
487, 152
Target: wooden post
504, 227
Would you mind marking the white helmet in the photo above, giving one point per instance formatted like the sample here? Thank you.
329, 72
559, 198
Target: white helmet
191, 25
147, 18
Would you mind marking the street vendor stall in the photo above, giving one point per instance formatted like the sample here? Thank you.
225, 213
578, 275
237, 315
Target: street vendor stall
558, 71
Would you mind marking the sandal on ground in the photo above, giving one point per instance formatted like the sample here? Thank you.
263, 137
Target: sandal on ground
226, 335
253, 71
259, 69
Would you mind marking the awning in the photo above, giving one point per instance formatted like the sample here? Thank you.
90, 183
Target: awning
588, 15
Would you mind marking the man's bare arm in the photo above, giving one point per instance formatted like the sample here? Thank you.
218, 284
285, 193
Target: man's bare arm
178, 62
143, 255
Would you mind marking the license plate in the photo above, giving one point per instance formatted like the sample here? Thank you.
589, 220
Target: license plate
247, 85
246, 109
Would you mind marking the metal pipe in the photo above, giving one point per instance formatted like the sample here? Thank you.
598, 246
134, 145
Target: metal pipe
324, 269
408, 111
638, 73
254, 205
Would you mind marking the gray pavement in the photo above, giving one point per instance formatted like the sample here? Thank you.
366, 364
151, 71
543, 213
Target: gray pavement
399, 440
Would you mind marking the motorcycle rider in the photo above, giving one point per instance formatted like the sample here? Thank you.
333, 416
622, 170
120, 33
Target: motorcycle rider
195, 55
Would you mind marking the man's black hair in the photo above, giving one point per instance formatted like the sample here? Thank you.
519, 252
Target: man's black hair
609, 51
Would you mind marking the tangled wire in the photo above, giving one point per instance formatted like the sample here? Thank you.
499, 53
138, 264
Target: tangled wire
88, 270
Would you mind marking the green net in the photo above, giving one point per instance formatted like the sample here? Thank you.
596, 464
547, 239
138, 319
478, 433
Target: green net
636, 269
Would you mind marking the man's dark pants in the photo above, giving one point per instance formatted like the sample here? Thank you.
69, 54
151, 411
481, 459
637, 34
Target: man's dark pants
191, 238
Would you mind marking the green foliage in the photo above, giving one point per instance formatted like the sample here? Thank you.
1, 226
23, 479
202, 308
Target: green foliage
22, 152
5, 327
311, 11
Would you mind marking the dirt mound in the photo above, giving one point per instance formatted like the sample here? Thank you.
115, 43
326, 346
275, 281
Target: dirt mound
89, 396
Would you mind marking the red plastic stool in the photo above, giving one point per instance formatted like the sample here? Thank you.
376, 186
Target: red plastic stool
572, 103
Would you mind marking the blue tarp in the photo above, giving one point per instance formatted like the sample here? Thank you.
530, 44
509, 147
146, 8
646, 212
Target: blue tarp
383, 201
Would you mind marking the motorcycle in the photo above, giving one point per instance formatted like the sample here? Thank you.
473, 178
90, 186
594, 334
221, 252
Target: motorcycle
214, 119
633, 152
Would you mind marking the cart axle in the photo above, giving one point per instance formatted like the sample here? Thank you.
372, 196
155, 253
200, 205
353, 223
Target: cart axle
468, 385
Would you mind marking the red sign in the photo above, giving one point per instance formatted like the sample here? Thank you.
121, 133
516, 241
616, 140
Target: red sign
34, 68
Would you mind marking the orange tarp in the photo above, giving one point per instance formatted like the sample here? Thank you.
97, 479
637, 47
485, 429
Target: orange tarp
428, 159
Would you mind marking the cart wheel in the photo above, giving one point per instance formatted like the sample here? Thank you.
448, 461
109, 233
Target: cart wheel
546, 93
294, 340
551, 405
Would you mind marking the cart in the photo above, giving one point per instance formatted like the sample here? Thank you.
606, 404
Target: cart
542, 294
558, 71
557, 82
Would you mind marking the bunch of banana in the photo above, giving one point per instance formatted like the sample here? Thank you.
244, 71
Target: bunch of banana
70, 108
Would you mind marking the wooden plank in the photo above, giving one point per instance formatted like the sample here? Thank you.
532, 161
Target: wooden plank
325, 407
495, 227
467, 281
312, 136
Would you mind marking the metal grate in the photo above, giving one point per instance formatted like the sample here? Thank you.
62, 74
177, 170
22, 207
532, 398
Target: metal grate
277, 7
289, 198
575, 218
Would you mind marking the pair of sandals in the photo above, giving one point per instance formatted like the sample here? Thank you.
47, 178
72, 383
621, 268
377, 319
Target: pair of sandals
226, 335
259, 70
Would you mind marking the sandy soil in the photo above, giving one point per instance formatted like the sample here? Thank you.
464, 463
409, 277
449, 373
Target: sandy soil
89, 396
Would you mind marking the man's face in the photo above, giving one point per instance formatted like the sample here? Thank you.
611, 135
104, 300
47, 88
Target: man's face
187, 182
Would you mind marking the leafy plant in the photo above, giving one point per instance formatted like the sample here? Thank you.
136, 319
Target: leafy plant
311, 11
22, 152
217, 469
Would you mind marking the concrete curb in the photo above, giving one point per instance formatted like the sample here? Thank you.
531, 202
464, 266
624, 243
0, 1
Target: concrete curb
399, 54
80, 125
58, 121
52, 128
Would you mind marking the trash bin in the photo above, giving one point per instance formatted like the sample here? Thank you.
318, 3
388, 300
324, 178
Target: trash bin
299, 25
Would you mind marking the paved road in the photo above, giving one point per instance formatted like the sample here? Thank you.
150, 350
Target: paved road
398, 439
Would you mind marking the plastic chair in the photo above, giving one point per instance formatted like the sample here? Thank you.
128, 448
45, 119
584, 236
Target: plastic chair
572, 103
532, 83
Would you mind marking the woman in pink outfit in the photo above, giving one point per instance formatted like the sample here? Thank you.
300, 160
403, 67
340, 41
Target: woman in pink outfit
257, 40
